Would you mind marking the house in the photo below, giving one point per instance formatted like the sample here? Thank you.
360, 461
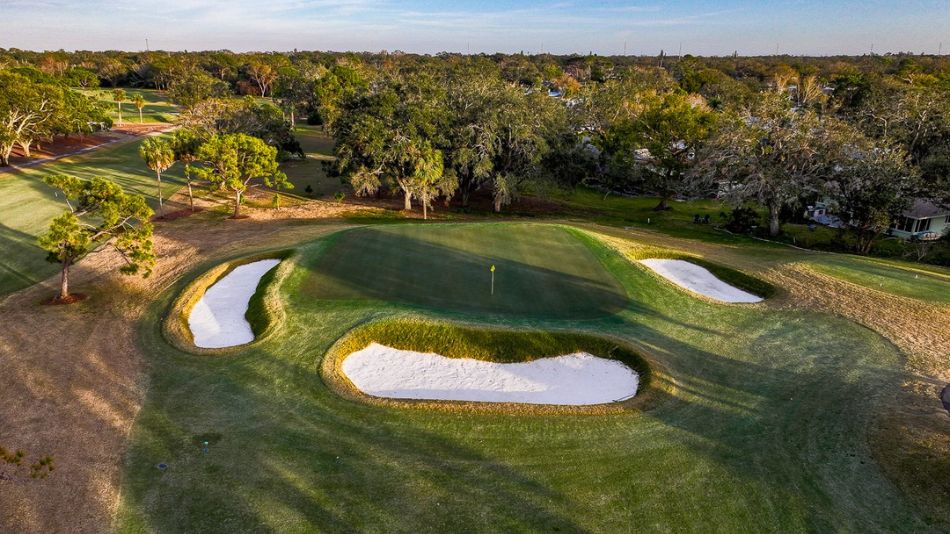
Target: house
924, 220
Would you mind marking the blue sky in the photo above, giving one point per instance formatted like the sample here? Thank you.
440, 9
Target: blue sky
603, 26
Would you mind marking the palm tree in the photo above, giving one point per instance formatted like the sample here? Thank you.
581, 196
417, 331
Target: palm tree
158, 156
119, 96
139, 103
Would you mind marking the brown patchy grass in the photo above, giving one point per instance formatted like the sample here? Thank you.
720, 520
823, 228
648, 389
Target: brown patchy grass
73, 378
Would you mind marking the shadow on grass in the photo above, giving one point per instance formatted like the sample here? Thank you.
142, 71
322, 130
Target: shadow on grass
362, 264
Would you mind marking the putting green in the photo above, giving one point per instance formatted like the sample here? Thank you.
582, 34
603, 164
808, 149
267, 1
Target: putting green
541, 271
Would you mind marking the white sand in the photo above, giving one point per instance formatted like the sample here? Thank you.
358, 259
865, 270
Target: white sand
217, 320
698, 279
575, 379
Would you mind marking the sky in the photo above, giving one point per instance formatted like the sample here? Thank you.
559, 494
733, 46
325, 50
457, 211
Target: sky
699, 27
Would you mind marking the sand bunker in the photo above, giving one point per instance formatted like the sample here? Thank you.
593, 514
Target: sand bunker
572, 379
217, 320
699, 280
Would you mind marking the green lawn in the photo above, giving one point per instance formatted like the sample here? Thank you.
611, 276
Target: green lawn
157, 106
925, 282
761, 424
540, 270
309, 172
27, 205
677, 221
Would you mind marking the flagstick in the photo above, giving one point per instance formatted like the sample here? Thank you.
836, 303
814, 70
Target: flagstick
492, 279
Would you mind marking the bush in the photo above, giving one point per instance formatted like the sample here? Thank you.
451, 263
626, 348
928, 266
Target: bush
740, 220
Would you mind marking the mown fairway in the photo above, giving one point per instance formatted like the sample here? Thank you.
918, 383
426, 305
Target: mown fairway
540, 270
761, 425
157, 107
27, 205
318, 146
924, 282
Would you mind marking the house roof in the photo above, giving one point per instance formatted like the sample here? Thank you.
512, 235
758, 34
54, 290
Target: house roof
925, 209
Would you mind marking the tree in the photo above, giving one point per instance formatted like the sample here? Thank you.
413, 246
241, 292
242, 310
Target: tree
139, 104
339, 85
119, 96
234, 160
667, 134
186, 143
295, 89
380, 137
217, 116
25, 109
871, 185
194, 87
99, 212
158, 156
263, 75
771, 154
429, 179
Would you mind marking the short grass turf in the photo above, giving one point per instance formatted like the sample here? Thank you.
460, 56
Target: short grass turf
27, 205
158, 109
763, 427
923, 282
310, 172
540, 270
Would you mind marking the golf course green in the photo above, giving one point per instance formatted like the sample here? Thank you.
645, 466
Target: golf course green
758, 417
540, 270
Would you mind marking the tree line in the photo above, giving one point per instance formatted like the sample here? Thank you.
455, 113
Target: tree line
868, 135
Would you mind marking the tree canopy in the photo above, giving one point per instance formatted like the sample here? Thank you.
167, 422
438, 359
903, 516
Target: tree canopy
99, 212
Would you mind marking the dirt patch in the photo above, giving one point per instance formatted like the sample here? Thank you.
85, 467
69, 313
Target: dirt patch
59, 146
137, 129
177, 214
71, 299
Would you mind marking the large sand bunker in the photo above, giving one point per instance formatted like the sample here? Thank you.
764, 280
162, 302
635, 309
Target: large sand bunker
217, 320
699, 280
572, 379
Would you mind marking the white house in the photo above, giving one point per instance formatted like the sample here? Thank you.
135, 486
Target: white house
924, 220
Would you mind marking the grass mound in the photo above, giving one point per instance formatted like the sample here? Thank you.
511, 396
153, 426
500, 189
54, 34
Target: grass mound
488, 344
541, 271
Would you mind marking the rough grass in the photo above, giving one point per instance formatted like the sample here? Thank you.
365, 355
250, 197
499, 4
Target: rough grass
540, 270
761, 424
27, 205
499, 345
